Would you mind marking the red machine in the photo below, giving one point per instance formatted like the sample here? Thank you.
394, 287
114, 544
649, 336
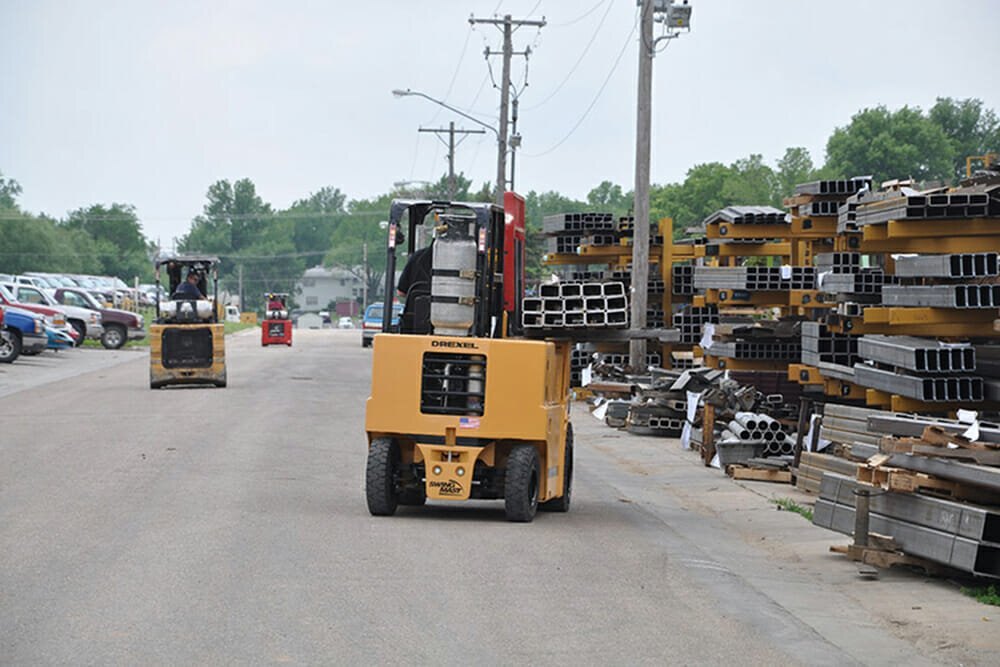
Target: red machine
276, 328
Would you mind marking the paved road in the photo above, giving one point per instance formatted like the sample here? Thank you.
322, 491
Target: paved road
203, 526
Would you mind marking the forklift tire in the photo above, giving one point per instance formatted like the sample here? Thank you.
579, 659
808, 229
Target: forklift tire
521, 484
380, 477
561, 504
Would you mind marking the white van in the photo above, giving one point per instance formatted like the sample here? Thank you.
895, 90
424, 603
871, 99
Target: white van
232, 314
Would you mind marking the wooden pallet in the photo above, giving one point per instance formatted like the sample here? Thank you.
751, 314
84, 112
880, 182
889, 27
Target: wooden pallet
883, 553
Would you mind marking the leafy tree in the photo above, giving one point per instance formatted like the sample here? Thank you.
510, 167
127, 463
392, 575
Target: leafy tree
890, 144
314, 219
608, 197
795, 167
120, 245
751, 182
360, 232
970, 128
10, 190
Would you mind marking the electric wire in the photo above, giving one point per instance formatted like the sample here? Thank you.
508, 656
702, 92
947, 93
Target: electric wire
576, 65
593, 102
578, 18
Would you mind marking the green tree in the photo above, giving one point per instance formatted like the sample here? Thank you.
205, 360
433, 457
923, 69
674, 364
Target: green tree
751, 182
359, 235
890, 144
120, 245
794, 167
314, 219
971, 129
609, 197
10, 190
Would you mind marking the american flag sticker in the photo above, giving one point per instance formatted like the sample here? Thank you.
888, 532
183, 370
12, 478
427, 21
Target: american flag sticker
468, 422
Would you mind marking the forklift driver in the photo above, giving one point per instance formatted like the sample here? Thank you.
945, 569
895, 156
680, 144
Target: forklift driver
189, 288
415, 286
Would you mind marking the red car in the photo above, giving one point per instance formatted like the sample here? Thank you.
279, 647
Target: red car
53, 318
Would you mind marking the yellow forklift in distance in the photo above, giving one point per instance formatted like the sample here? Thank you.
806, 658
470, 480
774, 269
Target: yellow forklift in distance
460, 407
187, 340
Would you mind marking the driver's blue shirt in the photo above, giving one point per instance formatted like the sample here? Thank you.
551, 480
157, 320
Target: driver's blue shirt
188, 291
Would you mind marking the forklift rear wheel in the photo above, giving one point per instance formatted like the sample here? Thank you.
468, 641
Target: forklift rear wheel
380, 477
521, 484
561, 504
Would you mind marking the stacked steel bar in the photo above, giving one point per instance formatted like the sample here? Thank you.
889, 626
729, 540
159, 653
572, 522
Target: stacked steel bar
960, 535
683, 279
961, 265
843, 186
930, 389
923, 355
578, 222
567, 231
942, 296
863, 282
572, 305
770, 350
588, 276
756, 278
748, 215
820, 345
837, 262
579, 359
819, 208
848, 425
689, 321
622, 359
752, 428
908, 204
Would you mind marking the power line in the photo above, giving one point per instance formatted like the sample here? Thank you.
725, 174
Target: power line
600, 91
578, 18
579, 60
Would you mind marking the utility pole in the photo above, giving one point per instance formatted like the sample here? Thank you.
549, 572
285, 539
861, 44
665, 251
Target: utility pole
243, 305
451, 132
675, 18
507, 25
364, 279
640, 234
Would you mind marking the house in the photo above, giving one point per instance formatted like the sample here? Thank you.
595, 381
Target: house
320, 285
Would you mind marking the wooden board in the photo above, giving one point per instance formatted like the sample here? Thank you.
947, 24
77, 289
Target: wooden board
754, 475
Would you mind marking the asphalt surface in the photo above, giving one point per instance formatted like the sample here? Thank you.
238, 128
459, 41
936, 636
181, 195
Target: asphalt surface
208, 526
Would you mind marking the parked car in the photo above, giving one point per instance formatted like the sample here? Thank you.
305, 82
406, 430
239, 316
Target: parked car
22, 332
87, 322
53, 318
120, 326
345, 323
372, 322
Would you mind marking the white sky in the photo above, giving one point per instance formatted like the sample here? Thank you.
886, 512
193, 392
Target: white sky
150, 102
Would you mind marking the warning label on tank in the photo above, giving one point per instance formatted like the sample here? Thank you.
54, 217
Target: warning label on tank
468, 422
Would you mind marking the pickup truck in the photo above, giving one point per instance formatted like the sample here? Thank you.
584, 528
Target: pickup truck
120, 326
22, 331
52, 317
87, 322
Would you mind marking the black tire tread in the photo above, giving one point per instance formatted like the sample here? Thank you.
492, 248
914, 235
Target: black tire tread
518, 504
380, 483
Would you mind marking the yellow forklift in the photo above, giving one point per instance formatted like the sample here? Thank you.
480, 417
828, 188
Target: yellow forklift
187, 340
461, 407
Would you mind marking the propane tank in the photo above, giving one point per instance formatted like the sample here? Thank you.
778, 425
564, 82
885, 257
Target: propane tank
453, 281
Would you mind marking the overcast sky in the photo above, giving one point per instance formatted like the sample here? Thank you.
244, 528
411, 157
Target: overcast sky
150, 102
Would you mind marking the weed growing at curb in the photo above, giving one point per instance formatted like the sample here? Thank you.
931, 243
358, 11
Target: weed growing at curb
985, 594
790, 505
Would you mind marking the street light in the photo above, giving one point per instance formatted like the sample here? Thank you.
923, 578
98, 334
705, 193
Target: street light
501, 141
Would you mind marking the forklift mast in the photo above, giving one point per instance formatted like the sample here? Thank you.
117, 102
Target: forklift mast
477, 265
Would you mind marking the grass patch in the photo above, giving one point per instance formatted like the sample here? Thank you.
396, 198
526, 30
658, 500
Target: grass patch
149, 317
985, 594
790, 505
